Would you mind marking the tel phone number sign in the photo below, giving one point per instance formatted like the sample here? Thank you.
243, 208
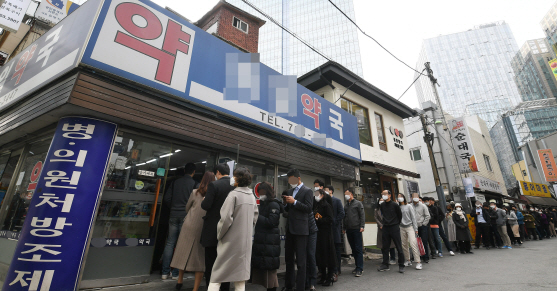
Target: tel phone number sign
54, 237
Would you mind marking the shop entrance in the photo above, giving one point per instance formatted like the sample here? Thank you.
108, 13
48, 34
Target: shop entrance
389, 183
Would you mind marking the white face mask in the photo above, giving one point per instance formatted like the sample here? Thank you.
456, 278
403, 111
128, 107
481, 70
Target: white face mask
400, 199
478, 206
316, 188
293, 185
459, 208
317, 198
327, 192
492, 206
416, 200
380, 202
385, 197
347, 197
263, 197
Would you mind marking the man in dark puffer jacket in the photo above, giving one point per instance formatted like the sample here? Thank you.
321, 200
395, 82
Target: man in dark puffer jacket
265, 258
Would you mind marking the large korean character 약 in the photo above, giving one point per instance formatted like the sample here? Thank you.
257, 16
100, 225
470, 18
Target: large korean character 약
64, 154
78, 131
43, 227
34, 280
56, 176
52, 200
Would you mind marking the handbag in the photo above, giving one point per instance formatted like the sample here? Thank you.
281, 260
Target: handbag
421, 246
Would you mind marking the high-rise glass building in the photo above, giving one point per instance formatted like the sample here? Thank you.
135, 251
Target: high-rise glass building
532, 73
473, 69
549, 26
317, 22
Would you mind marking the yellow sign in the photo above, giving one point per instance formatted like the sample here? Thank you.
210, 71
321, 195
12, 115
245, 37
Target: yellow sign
519, 171
535, 189
553, 65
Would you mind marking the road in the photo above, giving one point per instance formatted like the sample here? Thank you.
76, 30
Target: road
531, 267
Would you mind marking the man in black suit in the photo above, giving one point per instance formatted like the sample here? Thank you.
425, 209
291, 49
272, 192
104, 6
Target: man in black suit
217, 192
299, 204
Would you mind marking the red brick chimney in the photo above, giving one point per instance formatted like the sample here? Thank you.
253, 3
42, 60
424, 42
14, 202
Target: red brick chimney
233, 25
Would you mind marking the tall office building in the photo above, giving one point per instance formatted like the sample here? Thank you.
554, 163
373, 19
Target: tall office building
317, 22
474, 71
549, 26
532, 74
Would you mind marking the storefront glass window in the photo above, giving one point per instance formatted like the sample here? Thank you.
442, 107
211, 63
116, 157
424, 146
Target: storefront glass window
261, 171
371, 192
7, 167
26, 181
362, 116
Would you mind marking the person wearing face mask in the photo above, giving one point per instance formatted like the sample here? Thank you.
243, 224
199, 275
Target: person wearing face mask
482, 221
217, 192
326, 262
409, 232
552, 219
462, 231
544, 222
530, 223
434, 223
512, 221
338, 216
422, 219
265, 258
392, 217
502, 226
497, 242
451, 227
536, 215
299, 206
521, 226
354, 224
379, 222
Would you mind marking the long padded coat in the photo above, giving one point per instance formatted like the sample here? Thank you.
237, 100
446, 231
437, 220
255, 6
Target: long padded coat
266, 240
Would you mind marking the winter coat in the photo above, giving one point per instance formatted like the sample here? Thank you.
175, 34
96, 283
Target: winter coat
543, 219
379, 221
265, 253
529, 220
338, 211
451, 227
434, 214
512, 219
520, 218
235, 237
325, 249
462, 230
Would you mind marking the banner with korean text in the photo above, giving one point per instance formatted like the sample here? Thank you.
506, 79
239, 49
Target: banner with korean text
54, 238
11, 14
53, 11
548, 165
534, 189
463, 145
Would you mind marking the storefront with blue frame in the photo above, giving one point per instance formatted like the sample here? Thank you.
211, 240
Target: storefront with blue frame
105, 110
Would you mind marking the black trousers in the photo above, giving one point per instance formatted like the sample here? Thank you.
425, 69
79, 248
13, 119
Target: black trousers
483, 233
423, 232
522, 231
464, 246
295, 245
338, 249
392, 232
210, 258
534, 233
495, 233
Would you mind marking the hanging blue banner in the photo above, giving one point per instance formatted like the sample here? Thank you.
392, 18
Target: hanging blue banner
52, 244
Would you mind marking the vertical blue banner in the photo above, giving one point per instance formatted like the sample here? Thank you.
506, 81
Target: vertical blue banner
52, 243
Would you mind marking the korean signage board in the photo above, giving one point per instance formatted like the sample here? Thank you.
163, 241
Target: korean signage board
548, 165
151, 46
463, 146
535, 189
485, 184
11, 14
53, 11
553, 65
52, 55
55, 235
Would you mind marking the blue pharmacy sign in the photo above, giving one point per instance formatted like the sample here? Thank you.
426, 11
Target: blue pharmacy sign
52, 244
142, 42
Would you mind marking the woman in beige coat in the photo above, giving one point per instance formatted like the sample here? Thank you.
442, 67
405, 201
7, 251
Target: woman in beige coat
189, 254
235, 234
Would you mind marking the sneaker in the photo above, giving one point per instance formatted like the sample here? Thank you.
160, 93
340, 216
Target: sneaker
440, 255
354, 272
392, 262
407, 264
510, 248
401, 269
174, 277
452, 253
505, 247
419, 266
383, 268
164, 277
359, 273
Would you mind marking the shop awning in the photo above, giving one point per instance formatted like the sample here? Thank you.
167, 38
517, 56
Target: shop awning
541, 200
391, 169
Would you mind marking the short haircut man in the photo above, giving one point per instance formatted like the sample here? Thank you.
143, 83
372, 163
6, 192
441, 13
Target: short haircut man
293, 173
319, 182
223, 169
331, 188
189, 168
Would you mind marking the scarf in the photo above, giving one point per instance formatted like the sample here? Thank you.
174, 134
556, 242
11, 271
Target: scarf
461, 214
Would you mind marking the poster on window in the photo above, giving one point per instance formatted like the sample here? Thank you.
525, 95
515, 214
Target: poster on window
463, 147
411, 188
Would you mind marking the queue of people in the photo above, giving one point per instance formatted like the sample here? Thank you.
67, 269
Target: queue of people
217, 231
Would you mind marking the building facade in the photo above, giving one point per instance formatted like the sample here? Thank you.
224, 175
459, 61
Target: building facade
383, 143
532, 74
474, 70
549, 27
287, 55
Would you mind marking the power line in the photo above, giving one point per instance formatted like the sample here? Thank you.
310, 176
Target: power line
374, 39
410, 85
287, 30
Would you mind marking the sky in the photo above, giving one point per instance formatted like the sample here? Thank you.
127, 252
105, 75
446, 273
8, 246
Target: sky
401, 26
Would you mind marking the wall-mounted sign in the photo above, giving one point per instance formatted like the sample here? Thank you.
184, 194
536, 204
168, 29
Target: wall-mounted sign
463, 145
146, 173
11, 14
397, 139
535, 189
151, 46
480, 197
53, 11
553, 65
548, 165
485, 184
